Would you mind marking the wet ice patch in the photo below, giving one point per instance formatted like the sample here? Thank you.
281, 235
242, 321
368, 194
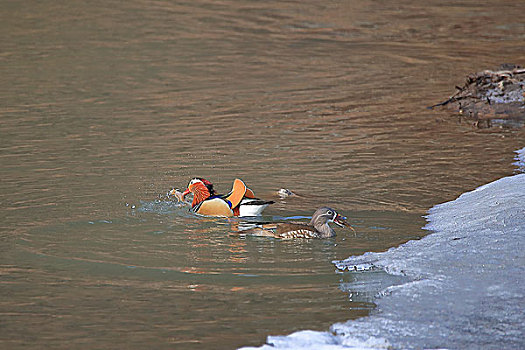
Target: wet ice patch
520, 160
312, 340
368, 285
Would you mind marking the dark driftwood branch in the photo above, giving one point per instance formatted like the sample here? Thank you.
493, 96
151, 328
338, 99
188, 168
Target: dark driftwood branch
450, 99
481, 79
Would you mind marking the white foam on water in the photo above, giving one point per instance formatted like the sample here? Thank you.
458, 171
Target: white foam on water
466, 281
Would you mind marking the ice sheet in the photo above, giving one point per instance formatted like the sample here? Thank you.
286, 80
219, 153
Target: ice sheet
466, 281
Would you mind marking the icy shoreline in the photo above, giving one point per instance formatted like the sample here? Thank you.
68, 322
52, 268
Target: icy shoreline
467, 288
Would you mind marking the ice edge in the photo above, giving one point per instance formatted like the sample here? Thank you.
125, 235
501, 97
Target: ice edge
474, 254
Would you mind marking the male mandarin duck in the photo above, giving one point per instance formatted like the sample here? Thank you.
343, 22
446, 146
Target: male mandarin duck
317, 228
239, 202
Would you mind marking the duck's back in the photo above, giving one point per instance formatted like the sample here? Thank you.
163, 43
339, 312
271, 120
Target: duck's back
292, 230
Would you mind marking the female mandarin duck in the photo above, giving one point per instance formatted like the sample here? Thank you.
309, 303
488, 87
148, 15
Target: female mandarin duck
317, 228
239, 202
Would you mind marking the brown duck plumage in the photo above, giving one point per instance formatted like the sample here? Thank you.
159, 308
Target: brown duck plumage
317, 227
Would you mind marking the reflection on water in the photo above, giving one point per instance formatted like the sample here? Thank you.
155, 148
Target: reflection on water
114, 104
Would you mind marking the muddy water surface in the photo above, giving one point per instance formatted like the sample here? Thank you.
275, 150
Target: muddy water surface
107, 105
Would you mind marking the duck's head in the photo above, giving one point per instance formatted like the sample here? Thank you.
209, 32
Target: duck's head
201, 189
325, 215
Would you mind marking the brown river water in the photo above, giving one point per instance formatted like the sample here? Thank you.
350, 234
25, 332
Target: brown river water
106, 105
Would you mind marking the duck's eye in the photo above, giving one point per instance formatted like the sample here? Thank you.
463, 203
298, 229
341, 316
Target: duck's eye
330, 212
